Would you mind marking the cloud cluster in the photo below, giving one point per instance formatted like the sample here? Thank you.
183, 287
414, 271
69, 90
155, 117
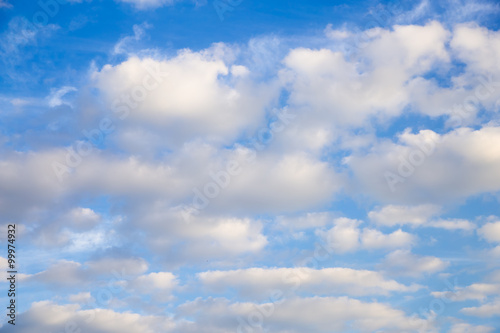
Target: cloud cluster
307, 129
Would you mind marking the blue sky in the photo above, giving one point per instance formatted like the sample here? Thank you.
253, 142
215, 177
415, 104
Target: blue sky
238, 166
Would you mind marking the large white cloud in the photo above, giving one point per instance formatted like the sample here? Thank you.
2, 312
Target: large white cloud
199, 237
194, 94
261, 282
294, 315
421, 167
397, 215
478, 47
46, 316
348, 92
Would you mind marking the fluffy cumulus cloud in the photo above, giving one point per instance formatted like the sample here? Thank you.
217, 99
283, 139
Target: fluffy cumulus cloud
485, 292
47, 316
478, 47
485, 310
346, 236
476, 291
346, 92
415, 216
396, 215
159, 285
467, 328
418, 169
213, 315
73, 274
490, 232
194, 94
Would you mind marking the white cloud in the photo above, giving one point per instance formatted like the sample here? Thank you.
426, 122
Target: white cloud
3, 263
495, 252
261, 282
403, 262
314, 314
480, 291
46, 316
347, 93
200, 237
19, 34
191, 95
273, 183
478, 47
392, 215
188, 126
63, 273
17, 198
485, 310
490, 231
374, 239
55, 97
346, 236
160, 280
81, 218
433, 176
280, 184
219, 315
467, 328
452, 224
